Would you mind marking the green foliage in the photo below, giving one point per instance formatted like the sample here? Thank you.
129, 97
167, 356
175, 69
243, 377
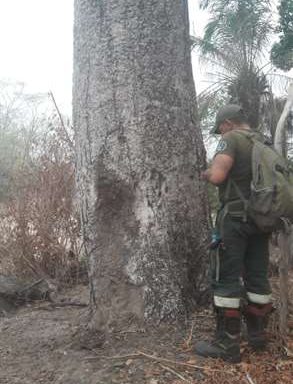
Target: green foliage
234, 41
282, 51
237, 32
208, 106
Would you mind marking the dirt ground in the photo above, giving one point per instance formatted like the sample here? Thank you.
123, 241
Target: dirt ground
40, 344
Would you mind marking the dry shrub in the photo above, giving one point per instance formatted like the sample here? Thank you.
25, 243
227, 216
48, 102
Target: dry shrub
39, 225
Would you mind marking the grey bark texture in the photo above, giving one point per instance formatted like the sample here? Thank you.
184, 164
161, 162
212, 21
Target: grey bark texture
286, 235
139, 156
280, 134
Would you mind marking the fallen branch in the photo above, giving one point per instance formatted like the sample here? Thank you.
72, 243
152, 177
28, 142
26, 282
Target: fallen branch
155, 358
61, 304
131, 355
175, 373
18, 292
249, 379
161, 359
32, 285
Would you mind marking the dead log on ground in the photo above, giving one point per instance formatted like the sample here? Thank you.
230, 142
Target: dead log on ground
15, 292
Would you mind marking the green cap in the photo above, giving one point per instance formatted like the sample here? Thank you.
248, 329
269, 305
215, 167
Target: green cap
227, 112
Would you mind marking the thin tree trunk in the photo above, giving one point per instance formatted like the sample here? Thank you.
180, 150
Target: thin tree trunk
284, 238
280, 135
139, 158
284, 244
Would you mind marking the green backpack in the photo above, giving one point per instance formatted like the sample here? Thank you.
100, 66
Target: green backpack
271, 197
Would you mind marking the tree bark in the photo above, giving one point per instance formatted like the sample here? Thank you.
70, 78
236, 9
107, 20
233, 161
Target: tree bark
140, 153
280, 134
285, 235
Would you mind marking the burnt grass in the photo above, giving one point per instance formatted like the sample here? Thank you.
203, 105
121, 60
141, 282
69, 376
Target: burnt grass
43, 343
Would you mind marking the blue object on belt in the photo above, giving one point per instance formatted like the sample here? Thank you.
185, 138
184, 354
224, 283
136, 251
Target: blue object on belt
216, 239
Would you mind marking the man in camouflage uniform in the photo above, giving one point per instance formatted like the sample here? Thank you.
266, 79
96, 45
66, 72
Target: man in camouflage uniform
241, 256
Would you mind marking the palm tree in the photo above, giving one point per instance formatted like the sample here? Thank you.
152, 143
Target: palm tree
234, 41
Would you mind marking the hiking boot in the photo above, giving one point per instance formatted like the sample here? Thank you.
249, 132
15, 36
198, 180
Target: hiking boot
225, 344
256, 317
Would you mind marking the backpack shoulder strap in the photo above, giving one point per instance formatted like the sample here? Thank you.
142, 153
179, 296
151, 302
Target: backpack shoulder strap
250, 135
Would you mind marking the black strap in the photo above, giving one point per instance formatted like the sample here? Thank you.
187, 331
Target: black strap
232, 183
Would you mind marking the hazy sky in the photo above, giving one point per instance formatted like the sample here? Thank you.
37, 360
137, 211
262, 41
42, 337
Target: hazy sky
36, 44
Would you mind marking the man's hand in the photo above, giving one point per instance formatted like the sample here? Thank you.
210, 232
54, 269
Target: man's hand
219, 170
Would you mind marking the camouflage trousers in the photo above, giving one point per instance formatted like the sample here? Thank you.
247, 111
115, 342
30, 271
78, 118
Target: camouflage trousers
239, 264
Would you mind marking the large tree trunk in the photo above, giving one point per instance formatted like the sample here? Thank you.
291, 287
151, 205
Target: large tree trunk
139, 158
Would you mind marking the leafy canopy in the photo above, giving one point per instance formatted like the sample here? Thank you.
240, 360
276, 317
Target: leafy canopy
235, 40
282, 51
238, 31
